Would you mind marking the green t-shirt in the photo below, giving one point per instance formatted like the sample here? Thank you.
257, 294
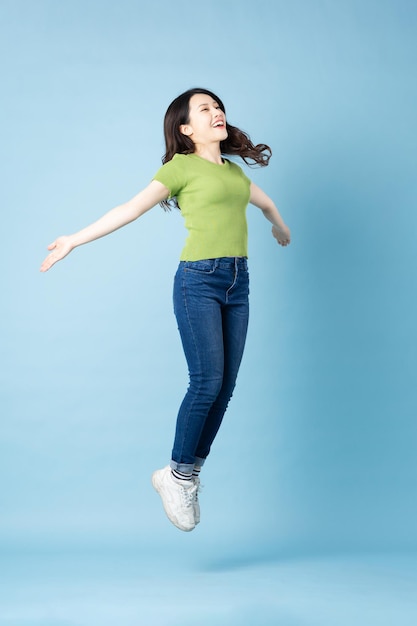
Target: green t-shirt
213, 200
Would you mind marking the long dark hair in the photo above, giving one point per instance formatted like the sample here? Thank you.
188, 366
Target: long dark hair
237, 143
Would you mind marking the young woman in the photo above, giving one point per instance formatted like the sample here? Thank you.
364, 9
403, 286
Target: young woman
211, 283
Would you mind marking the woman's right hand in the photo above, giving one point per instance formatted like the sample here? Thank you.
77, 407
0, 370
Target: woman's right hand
59, 249
112, 220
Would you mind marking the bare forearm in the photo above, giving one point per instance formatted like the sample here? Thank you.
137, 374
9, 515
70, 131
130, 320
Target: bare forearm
122, 214
108, 223
116, 218
273, 215
260, 199
279, 229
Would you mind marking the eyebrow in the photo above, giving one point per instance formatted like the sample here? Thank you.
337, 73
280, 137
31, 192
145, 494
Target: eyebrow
205, 104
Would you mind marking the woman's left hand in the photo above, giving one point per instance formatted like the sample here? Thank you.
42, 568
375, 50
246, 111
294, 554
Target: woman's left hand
282, 235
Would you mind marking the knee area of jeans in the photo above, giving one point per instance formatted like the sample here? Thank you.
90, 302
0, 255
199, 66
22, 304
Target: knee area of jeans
208, 387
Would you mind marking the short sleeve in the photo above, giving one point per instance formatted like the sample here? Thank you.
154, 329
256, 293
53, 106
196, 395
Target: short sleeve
173, 175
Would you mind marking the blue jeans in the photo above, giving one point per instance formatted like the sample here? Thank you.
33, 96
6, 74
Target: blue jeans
212, 309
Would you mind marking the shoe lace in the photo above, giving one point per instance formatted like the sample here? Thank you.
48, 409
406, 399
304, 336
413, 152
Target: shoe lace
198, 488
188, 495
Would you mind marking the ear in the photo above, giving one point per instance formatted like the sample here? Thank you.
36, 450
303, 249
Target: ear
185, 129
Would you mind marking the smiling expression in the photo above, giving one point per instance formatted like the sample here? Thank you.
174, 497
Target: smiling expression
206, 121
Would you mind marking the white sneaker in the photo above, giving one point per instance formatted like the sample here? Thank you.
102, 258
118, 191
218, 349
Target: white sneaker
178, 497
196, 503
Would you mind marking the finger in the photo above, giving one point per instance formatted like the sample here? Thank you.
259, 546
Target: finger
47, 263
52, 245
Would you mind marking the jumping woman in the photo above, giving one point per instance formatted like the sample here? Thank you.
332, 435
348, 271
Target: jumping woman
211, 284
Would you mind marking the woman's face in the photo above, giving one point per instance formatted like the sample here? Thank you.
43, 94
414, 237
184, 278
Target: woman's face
206, 121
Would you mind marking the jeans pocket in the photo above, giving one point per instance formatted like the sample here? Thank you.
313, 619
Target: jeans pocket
200, 267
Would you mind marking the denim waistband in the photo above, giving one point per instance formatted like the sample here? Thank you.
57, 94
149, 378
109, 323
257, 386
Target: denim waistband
240, 262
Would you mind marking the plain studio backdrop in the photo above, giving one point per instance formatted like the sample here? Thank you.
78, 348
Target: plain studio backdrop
317, 453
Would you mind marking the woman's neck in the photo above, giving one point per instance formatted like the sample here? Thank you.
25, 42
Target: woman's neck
209, 152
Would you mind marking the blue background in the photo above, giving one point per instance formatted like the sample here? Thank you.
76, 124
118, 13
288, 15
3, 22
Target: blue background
317, 455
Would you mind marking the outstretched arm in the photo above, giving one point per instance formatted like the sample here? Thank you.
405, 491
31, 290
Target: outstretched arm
121, 215
280, 231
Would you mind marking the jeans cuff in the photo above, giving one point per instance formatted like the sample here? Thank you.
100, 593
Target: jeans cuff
199, 462
184, 468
